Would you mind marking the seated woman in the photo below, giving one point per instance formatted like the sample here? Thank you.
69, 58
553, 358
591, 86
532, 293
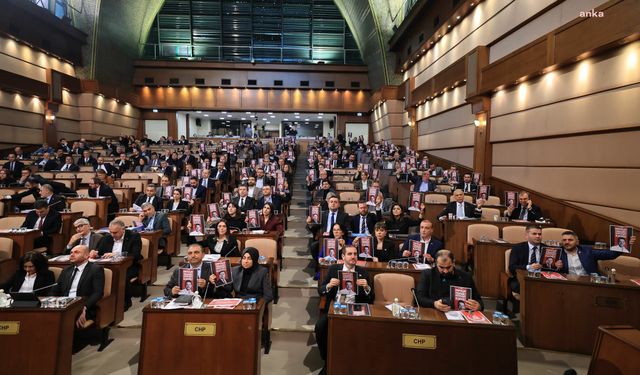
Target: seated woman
399, 222
142, 166
383, 248
338, 232
33, 273
5, 178
176, 203
221, 242
269, 221
234, 218
250, 280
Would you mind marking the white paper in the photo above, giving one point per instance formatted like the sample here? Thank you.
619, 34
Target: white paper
211, 257
173, 306
454, 315
137, 208
60, 258
421, 266
389, 307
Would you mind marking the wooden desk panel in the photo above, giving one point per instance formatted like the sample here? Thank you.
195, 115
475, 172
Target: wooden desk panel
460, 347
617, 351
235, 348
22, 241
488, 264
564, 315
32, 351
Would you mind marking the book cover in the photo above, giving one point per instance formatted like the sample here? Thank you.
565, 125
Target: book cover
222, 270
366, 167
458, 295
244, 173
168, 192
550, 255
197, 225
511, 198
184, 181
365, 248
188, 279
214, 211
477, 178
225, 303
619, 236
635, 281
226, 198
372, 193
187, 193
552, 275
483, 192
403, 167
475, 317
414, 201
253, 219
315, 213
358, 309
347, 282
196, 172
279, 183
375, 174
253, 163
416, 248
329, 249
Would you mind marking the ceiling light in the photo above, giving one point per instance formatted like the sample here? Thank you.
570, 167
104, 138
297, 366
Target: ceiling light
155, 110
296, 116
270, 113
458, 17
273, 116
206, 115
221, 118
264, 119
359, 114
268, 122
248, 113
228, 115
285, 119
224, 112
198, 111
243, 118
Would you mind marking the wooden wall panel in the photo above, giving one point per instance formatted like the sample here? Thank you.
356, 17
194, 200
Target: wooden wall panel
529, 59
457, 117
451, 138
228, 98
255, 98
279, 98
202, 97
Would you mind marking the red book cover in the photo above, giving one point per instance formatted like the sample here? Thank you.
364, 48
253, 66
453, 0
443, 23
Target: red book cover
635, 281
475, 317
197, 225
214, 211
168, 192
222, 270
458, 295
511, 198
477, 178
188, 278
619, 237
330, 248
372, 193
315, 213
484, 191
244, 173
187, 193
414, 201
552, 275
550, 255
347, 282
226, 198
253, 219
416, 248
365, 248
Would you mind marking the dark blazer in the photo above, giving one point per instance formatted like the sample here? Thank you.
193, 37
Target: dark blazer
126, 165
341, 217
274, 224
371, 220
211, 183
402, 225
229, 249
72, 167
332, 273
388, 252
42, 279
156, 202
92, 161
90, 286
418, 182
434, 245
472, 186
249, 203
533, 214
132, 245
224, 175
470, 210
199, 192
432, 287
56, 202
106, 191
51, 225
519, 257
589, 258
50, 165
17, 168
259, 285
182, 205
94, 240
161, 222
110, 169
205, 271
275, 200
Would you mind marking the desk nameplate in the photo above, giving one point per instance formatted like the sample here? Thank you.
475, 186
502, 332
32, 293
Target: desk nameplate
199, 329
418, 341
9, 327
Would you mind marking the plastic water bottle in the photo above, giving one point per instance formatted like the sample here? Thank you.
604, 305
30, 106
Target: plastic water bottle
337, 308
395, 308
197, 301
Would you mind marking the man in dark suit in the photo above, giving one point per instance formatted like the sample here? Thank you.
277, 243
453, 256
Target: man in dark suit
584, 259
206, 181
430, 245
525, 255
467, 185
330, 287
329, 218
107, 167
525, 210
221, 173
423, 183
461, 209
199, 191
261, 179
118, 241
55, 202
206, 283
83, 235
87, 160
99, 189
69, 165
243, 200
89, 283
149, 196
268, 197
433, 288
364, 222
122, 164
46, 220
153, 220
13, 166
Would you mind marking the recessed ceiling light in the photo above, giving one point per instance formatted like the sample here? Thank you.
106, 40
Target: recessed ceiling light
285, 119
306, 119
198, 111
248, 113
320, 114
155, 110
297, 116
264, 119
206, 115
296, 113
243, 118
458, 17
221, 118
268, 122
270, 113
228, 115
273, 116
224, 111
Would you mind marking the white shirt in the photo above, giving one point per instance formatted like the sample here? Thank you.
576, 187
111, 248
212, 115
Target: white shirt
117, 246
460, 210
175, 205
575, 265
259, 183
531, 246
27, 284
38, 223
76, 280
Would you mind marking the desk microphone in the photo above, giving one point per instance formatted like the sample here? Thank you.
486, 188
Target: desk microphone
230, 251
44, 287
413, 291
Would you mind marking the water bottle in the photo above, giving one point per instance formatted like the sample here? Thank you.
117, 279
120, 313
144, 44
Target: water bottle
337, 308
197, 301
395, 308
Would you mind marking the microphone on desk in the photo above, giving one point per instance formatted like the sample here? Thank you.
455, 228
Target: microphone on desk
45, 287
413, 291
230, 251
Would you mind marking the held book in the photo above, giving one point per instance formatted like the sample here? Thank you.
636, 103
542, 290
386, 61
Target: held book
475, 317
365, 248
188, 279
358, 309
458, 295
414, 201
214, 211
552, 275
222, 270
187, 193
619, 237
253, 219
226, 198
347, 282
329, 249
550, 255
315, 213
483, 192
477, 178
510, 198
197, 225
168, 192
416, 248
372, 193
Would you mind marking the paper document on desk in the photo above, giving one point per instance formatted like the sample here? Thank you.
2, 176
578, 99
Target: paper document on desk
173, 306
552, 275
60, 258
211, 257
137, 208
421, 266
454, 315
225, 303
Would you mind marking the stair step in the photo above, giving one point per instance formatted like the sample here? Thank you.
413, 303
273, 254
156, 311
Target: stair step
292, 352
297, 310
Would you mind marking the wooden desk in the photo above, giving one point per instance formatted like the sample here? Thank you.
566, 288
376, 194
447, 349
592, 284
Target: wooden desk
374, 268
128, 194
460, 347
564, 315
48, 330
234, 349
102, 209
118, 281
488, 264
22, 241
617, 351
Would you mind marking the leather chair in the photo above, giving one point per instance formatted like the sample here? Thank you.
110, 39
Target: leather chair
514, 233
475, 232
436, 198
389, 286
8, 264
553, 234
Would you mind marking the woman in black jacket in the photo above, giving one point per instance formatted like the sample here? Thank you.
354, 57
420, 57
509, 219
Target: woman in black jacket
234, 218
250, 280
221, 242
383, 248
399, 222
33, 273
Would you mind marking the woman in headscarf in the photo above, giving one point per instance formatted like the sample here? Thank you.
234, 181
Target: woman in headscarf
250, 280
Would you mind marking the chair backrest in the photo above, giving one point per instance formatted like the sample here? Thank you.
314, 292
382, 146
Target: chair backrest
342, 178
119, 195
28, 199
624, 265
67, 183
155, 177
85, 177
436, 198
1, 209
350, 196
475, 231
65, 175
553, 234
389, 286
128, 219
88, 208
493, 200
4, 192
47, 175
467, 198
130, 175
345, 185
488, 214
507, 254
6, 248
514, 233
84, 192
108, 275
444, 188
267, 247
86, 168
138, 186
56, 271
351, 208
11, 222
145, 248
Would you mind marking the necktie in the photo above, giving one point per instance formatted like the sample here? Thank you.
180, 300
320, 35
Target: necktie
204, 183
363, 226
466, 188
241, 202
148, 199
12, 165
217, 175
460, 211
523, 212
73, 276
65, 167
332, 219
82, 241
40, 223
533, 258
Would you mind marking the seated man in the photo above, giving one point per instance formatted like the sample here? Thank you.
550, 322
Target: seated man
525, 210
526, 255
329, 288
268, 197
423, 184
117, 242
206, 279
579, 259
97, 188
461, 209
467, 185
433, 287
46, 220
69, 165
243, 200
430, 245
153, 220
199, 191
149, 196
55, 202
365, 221
82, 279
83, 235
